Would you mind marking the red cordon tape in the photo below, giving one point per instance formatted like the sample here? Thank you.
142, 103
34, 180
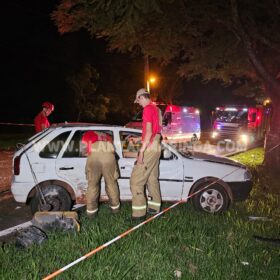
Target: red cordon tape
54, 274
20, 124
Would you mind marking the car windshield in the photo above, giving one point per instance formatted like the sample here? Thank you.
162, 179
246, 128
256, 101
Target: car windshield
232, 116
184, 149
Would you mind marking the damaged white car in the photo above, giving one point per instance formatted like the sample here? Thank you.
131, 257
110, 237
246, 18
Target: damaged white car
50, 170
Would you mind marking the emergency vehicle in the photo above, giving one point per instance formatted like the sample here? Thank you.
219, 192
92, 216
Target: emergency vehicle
241, 123
179, 123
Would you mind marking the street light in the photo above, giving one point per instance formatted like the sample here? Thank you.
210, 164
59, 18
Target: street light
150, 80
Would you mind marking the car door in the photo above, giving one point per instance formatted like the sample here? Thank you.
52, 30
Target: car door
71, 165
171, 174
170, 168
127, 153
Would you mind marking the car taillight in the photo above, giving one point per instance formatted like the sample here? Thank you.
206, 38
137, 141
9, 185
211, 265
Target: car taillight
17, 165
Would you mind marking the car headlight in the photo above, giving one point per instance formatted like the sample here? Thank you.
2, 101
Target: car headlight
244, 138
214, 134
247, 175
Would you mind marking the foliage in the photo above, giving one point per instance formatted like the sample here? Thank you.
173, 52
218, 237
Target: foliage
88, 104
236, 42
201, 35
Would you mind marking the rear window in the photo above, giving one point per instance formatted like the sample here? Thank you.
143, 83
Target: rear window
52, 149
74, 148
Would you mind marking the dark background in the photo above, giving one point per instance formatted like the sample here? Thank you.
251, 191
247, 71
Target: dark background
36, 60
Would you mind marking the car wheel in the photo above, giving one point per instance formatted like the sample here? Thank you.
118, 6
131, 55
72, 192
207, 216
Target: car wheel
212, 200
57, 198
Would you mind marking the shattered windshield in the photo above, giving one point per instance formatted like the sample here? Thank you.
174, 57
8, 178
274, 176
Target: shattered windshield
184, 149
232, 116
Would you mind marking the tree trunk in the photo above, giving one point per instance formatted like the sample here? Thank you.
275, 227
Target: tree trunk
272, 143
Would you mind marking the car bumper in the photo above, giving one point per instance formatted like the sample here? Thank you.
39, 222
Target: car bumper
240, 190
20, 191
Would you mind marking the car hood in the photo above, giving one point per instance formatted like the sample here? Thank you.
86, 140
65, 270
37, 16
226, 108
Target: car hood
216, 159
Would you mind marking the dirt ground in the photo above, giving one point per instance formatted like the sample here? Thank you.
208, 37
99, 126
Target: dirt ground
6, 157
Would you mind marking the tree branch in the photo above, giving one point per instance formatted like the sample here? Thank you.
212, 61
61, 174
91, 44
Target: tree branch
257, 64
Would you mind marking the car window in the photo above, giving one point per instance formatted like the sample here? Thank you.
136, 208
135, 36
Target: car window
52, 149
129, 148
74, 148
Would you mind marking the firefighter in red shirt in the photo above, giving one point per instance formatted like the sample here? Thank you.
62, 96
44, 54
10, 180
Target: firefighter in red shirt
41, 121
101, 161
146, 169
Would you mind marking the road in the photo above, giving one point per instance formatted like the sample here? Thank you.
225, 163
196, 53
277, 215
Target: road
13, 213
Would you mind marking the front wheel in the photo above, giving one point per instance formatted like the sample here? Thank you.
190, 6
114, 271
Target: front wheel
57, 198
213, 199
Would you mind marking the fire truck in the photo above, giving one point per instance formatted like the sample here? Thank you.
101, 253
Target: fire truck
240, 123
179, 123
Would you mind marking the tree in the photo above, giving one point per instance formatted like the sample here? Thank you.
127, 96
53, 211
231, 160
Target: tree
88, 104
232, 41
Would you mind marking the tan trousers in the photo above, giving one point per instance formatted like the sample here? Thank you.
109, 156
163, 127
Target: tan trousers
102, 162
146, 173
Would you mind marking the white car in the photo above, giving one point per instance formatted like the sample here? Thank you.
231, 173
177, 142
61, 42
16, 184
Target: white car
53, 160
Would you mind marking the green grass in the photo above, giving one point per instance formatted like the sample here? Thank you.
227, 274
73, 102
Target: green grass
197, 245
9, 140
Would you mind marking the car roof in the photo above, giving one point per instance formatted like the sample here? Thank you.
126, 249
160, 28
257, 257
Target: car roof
80, 124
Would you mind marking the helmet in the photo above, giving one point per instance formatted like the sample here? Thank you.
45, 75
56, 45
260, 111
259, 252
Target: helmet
48, 105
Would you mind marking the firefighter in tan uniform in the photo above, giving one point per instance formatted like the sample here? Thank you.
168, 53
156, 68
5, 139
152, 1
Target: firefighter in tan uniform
146, 169
101, 161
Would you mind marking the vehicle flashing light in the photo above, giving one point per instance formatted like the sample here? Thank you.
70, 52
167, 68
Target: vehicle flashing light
185, 110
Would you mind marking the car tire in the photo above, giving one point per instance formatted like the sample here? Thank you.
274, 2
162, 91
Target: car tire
213, 199
57, 198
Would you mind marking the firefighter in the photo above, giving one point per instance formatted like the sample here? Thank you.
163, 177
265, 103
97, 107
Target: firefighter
146, 168
41, 121
101, 161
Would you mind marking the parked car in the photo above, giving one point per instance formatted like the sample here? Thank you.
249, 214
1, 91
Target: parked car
58, 166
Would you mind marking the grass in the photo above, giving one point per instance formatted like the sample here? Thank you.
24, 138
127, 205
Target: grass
9, 140
182, 244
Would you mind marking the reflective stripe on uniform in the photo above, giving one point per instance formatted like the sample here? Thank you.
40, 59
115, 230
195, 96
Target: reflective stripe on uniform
115, 207
92, 211
154, 203
139, 207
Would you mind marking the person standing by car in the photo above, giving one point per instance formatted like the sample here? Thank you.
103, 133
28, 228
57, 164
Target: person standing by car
146, 169
41, 121
101, 161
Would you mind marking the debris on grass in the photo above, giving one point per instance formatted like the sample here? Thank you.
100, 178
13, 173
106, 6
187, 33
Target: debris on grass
58, 220
29, 236
263, 219
178, 273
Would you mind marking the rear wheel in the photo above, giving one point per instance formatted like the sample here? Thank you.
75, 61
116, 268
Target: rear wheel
213, 199
57, 198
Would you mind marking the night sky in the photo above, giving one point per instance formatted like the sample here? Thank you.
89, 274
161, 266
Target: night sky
36, 60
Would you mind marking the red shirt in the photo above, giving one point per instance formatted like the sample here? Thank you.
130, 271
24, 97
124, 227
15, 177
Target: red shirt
90, 137
40, 120
152, 114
